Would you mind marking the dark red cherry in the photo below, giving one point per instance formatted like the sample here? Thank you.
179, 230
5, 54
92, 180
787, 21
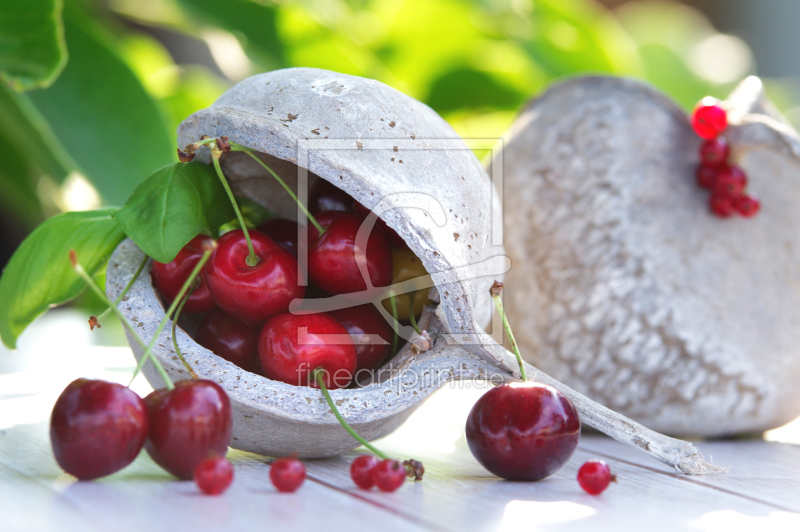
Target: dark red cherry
747, 205
366, 327
389, 475
394, 238
169, 278
707, 175
523, 431
231, 339
285, 233
720, 205
287, 474
731, 182
332, 258
292, 346
361, 471
97, 428
252, 294
187, 424
715, 151
213, 475
594, 477
324, 196
709, 119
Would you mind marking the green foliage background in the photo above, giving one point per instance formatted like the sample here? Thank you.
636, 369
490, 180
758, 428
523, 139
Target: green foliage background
96, 88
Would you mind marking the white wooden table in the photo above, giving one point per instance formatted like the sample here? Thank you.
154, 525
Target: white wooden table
761, 491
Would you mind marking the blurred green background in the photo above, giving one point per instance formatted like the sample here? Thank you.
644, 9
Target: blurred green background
94, 90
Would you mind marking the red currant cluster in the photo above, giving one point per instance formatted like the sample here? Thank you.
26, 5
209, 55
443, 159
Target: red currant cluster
727, 182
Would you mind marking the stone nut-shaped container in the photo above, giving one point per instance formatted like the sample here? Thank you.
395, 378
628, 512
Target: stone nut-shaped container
391, 153
626, 287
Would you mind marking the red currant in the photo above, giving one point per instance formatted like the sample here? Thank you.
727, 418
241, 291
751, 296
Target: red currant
361, 471
715, 151
731, 182
747, 205
213, 474
389, 475
707, 175
722, 206
709, 119
594, 477
287, 474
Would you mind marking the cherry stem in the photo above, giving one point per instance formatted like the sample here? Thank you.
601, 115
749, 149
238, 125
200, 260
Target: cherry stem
395, 324
124, 292
495, 291
252, 259
102, 295
185, 288
319, 377
248, 151
411, 312
175, 339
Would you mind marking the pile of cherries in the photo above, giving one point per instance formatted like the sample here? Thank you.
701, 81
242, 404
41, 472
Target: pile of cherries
727, 182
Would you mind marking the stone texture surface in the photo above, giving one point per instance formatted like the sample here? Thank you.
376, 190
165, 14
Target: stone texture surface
625, 287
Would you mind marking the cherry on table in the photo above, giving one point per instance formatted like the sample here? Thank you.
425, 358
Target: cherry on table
366, 327
389, 475
97, 428
169, 278
523, 431
324, 196
394, 238
715, 151
747, 205
187, 424
594, 477
361, 471
287, 474
252, 294
709, 119
231, 339
332, 258
213, 475
292, 346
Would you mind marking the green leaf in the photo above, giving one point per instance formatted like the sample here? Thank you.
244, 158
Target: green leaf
39, 274
32, 50
103, 116
172, 206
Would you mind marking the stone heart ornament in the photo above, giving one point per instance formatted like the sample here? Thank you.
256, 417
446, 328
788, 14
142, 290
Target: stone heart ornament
626, 286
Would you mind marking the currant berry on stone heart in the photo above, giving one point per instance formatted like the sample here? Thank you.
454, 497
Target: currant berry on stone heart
97, 428
213, 475
594, 477
287, 474
231, 339
709, 119
169, 278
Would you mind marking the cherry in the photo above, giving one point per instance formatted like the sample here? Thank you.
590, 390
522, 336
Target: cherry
747, 206
594, 477
187, 424
292, 346
97, 428
361, 471
523, 431
284, 232
389, 475
361, 321
406, 266
287, 474
169, 278
252, 294
231, 339
722, 206
394, 238
715, 151
709, 119
707, 175
332, 258
324, 196
213, 474
731, 182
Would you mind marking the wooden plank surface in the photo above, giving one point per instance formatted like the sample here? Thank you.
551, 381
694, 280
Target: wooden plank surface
761, 491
